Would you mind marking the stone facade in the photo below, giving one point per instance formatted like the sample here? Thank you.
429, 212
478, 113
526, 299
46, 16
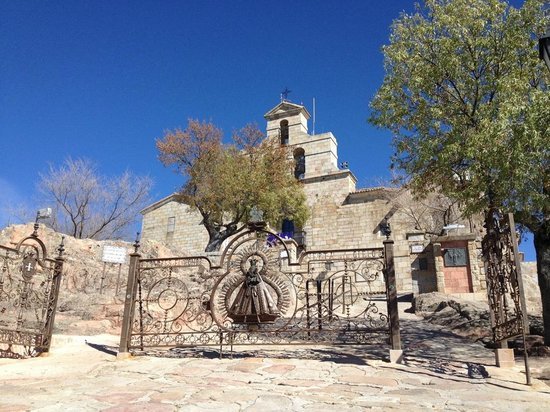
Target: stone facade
188, 234
341, 215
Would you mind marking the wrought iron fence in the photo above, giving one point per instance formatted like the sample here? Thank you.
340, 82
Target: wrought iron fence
504, 282
258, 294
503, 273
29, 288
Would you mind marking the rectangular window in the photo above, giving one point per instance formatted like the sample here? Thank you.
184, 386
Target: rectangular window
171, 225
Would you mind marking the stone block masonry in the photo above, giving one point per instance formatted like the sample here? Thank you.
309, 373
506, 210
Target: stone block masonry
342, 217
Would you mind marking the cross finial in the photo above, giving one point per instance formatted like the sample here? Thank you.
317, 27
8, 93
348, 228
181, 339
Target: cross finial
284, 94
136, 243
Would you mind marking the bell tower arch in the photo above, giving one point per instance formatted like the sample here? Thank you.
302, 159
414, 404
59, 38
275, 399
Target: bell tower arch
287, 122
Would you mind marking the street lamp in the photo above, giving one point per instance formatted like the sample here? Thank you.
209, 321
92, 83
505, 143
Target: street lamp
544, 48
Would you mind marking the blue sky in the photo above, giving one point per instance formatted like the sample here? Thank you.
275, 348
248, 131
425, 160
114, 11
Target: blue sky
104, 79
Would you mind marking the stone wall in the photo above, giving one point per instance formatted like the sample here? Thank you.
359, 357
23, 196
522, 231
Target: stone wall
531, 287
341, 218
189, 234
338, 221
320, 151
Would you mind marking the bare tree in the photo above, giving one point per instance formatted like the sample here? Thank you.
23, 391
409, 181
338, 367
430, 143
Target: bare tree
431, 212
88, 205
17, 213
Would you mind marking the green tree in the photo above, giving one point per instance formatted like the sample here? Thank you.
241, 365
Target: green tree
467, 100
224, 181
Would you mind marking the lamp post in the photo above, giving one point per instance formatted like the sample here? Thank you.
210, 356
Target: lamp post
544, 48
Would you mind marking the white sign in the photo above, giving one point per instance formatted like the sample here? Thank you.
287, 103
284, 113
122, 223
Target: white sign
417, 248
114, 254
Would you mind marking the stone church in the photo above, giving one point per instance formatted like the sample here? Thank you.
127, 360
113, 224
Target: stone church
342, 216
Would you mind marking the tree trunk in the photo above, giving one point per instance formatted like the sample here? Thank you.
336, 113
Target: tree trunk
542, 248
217, 236
214, 243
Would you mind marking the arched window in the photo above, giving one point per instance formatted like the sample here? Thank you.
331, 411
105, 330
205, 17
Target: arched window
284, 132
299, 163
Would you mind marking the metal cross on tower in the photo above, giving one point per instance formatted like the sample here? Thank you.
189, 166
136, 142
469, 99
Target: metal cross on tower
285, 93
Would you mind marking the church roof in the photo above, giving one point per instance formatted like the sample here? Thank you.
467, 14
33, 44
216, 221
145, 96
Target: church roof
285, 109
371, 189
174, 197
370, 194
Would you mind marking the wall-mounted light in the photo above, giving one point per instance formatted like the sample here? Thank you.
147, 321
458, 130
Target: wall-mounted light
385, 227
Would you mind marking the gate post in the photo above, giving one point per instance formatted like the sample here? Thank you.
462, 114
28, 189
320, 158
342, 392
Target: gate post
53, 298
129, 304
396, 354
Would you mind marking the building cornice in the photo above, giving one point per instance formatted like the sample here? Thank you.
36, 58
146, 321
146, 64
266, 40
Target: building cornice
451, 238
286, 109
340, 174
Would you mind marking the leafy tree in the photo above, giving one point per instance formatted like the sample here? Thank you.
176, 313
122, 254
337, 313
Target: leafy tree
224, 181
88, 205
467, 100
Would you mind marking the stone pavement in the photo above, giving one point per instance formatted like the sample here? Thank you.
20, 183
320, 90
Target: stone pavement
441, 372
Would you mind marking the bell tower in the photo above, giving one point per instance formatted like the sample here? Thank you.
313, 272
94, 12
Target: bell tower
287, 122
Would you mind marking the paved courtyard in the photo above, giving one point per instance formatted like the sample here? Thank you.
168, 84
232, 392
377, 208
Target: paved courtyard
441, 372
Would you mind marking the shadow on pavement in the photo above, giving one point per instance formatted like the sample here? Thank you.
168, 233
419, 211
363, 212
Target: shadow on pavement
352, 356
428, 350
109, 350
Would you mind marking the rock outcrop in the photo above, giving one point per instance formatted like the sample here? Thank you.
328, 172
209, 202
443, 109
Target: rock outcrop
87, 303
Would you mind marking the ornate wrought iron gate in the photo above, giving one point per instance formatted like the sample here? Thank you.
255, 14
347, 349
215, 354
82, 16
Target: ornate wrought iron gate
259, 294
29, 288
504, 283
503, 272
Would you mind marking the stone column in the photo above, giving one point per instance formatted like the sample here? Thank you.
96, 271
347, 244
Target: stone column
396, 353
438, 266
129, 305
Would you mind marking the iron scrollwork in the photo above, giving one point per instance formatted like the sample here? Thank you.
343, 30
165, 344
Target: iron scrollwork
29, 285
503, 288
258, 294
